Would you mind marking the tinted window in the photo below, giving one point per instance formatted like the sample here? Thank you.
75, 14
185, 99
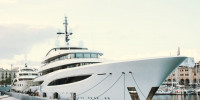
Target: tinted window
79, 55
86, 55
72, 55
94, 55
68, 80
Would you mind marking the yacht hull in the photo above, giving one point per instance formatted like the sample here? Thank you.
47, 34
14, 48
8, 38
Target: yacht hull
110, 81
22, 86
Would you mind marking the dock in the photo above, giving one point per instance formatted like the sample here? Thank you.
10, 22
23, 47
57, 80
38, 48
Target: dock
7, 97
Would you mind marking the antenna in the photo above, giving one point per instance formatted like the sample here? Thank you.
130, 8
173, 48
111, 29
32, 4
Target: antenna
66, 33
25, 57
65, 23
178, 52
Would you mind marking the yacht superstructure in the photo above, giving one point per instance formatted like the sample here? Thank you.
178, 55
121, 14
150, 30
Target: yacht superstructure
24, 79
83, 73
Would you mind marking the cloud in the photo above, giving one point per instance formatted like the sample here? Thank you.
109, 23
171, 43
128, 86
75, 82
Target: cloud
195, 53
9, 1
18, 39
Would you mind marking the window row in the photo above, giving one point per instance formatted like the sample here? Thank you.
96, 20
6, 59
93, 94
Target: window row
26, 74
29, 70
25, 79
181, 70
183, 74
22, 85
66, 66
75, 55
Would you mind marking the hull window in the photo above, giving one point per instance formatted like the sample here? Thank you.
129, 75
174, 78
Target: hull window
55, 96
68, 80
44, 94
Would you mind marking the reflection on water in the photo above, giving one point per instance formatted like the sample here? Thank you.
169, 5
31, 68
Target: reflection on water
176, 97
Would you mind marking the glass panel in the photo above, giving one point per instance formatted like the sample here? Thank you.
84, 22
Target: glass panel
86, 55
72, 55
61, 58
94, 56
79, 55
66, 56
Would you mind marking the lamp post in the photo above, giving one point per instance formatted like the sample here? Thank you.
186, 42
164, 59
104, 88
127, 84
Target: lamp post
11, 78
196, 78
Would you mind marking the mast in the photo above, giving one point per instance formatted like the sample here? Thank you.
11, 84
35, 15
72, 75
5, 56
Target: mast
178, 52
67, 34
65, 23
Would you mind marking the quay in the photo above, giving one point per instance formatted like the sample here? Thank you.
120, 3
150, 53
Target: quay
19, 96
6, 97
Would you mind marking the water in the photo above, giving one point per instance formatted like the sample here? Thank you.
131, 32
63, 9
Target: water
176, 97
4, 88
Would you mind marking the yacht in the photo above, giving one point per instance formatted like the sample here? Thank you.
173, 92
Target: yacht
24, 79
77, 73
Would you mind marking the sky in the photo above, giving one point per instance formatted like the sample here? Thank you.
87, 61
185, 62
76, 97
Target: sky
121, 29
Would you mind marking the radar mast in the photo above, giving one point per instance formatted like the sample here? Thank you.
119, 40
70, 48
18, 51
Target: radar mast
67, 34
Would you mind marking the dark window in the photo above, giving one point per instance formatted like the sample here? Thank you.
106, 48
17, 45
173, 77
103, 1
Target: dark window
68, 80
55, 96
25, 74
25, 79
35, 74
44, 94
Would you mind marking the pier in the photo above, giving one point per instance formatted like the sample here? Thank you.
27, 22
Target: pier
20, 96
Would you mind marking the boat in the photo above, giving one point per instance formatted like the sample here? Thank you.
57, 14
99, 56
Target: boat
164, 90
178, 91
24, 79
77, 73
197, 91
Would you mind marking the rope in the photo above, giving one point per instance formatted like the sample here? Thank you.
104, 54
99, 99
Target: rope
110, 86
124, 87
94, 85
137, 85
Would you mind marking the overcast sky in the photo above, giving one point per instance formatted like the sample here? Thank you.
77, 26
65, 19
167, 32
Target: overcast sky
121, 29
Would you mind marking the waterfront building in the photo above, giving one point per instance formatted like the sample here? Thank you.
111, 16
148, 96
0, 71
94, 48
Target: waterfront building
187, 74
6, 75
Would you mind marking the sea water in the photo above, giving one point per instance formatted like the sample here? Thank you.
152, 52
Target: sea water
176, 97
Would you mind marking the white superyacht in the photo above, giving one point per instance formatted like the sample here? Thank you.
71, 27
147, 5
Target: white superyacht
77, 73
24, 79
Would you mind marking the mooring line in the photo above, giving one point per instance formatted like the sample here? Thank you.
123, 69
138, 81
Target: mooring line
137, 84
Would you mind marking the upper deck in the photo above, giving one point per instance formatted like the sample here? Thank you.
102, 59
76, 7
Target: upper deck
64, 48
61, 53
26, 72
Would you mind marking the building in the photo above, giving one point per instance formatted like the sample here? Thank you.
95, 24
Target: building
187, 74
6, 75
